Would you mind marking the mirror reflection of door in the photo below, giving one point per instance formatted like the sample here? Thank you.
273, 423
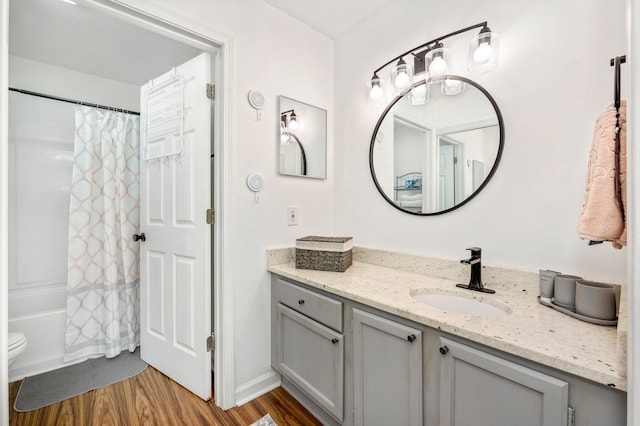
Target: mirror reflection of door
477, 154
446, 178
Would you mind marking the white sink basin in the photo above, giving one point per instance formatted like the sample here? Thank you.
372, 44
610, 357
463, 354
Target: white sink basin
466, 305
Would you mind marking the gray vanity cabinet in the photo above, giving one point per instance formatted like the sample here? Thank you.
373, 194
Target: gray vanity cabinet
387, 371
477, 388
351, 365
308, 348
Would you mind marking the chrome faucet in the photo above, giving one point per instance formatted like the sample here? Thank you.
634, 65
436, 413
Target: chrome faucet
475, 281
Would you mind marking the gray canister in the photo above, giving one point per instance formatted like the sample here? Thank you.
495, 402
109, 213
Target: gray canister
564, 291
547, 278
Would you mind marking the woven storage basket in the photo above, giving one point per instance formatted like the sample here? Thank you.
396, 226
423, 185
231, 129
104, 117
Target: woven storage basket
324, 253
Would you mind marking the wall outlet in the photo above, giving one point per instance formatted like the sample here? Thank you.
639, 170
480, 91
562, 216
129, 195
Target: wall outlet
292, 216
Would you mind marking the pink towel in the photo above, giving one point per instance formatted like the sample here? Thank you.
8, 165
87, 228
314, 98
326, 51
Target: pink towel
604, 210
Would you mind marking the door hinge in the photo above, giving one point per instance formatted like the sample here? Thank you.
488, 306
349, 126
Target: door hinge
211, 91
571, 416
211, 216
211, 342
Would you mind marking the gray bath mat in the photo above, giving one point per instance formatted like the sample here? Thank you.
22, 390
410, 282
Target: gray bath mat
64, 383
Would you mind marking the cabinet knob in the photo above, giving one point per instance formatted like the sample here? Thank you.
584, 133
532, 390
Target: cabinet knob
411, 338
140, 237
444, 350
335, 340
301, 302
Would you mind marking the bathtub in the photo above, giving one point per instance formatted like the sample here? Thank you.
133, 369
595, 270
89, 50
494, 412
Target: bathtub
41, 315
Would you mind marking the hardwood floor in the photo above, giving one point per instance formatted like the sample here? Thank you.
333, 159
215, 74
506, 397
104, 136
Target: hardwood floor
151, 398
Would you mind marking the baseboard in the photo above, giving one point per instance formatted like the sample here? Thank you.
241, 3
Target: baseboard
257, 387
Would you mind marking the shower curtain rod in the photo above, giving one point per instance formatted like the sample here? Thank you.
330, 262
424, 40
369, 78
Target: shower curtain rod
72, 101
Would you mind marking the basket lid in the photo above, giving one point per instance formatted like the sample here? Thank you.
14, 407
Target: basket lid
316, 238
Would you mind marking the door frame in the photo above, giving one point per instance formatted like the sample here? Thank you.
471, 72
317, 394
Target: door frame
4, 211
180, 28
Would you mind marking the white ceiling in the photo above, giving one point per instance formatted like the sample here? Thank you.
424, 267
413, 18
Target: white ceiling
61, 34
330, 17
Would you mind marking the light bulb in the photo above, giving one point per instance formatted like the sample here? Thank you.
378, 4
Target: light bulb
452, 83
418, 95
293, 124
483, 53
284, 139
438, 66
419, 91
402, 80
376, 92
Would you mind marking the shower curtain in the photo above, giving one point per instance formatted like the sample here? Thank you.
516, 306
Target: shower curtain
103, 280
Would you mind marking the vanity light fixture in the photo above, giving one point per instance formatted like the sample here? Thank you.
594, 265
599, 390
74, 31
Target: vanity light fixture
483, 51
284, 134
288, 122
431, 60
293, 121
402, 76
451, 87
438, 59
419, 94
375, 90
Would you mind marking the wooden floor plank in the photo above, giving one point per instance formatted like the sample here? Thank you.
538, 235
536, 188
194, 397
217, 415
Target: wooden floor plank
151, 398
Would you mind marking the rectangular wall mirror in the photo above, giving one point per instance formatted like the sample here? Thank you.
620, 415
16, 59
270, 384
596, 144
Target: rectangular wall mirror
303, 139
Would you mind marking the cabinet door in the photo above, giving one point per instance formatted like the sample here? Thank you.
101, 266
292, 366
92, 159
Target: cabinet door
483, 390
312, 356
387, 363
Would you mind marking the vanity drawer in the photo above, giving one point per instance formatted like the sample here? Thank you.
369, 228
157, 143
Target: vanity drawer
323, 309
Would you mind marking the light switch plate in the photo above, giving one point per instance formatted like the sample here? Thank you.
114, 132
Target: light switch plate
292, 216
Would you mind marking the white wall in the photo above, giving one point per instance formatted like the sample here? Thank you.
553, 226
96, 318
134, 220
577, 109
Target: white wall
259, 34
36, 76
553, 80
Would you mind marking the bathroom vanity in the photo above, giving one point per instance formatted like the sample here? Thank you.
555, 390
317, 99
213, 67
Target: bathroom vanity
357, 348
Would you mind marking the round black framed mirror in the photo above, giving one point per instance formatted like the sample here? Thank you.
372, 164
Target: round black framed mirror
436, 146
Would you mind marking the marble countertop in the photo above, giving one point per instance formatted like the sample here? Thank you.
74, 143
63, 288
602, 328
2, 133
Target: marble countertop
531, 331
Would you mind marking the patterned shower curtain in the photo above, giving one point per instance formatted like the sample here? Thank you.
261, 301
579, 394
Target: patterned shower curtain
103, 280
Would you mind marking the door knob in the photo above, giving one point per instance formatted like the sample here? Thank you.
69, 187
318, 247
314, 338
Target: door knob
141, 236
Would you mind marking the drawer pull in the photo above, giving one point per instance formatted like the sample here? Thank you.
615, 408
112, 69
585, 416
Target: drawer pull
301, 302
411, 338
444, 350
335, 340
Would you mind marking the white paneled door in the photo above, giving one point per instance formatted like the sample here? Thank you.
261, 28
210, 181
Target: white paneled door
175, 182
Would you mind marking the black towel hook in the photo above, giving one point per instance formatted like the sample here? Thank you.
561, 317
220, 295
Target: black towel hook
616, 83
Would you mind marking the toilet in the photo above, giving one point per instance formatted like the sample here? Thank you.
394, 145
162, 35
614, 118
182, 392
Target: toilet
17, 345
